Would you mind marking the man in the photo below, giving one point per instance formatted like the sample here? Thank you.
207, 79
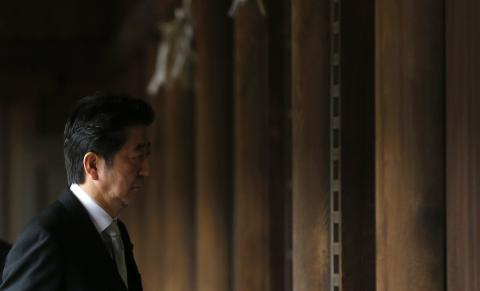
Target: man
78, 243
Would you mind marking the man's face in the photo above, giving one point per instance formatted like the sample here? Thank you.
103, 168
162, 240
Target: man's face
124, 178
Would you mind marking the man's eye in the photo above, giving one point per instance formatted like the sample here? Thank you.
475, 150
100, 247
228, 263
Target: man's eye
137, 157
141, 156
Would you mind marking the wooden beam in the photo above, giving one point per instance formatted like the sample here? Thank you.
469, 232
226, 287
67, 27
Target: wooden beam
179, 189
463, 145
311, 131
72, 56
251, 202
4, 169
151, 249
410, 145
214, 172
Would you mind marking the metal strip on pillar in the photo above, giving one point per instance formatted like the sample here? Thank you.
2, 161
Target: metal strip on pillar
335, 151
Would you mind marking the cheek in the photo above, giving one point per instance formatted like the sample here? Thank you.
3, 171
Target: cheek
129, 176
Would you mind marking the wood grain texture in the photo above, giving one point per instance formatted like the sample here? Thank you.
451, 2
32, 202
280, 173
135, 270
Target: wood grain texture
251, 202
4, 169
214, 172
150, 245
179, 189
23, 158
410, 145
310, 151
463, 152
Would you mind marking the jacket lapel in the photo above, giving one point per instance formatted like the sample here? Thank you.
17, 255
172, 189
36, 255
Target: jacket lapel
88, 241
134, 279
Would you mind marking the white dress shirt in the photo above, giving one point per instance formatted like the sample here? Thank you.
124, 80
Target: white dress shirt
100, 218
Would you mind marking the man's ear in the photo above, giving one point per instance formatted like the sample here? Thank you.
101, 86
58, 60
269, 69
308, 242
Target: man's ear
90, 165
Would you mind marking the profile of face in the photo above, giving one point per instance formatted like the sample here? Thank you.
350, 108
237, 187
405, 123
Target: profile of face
122, 179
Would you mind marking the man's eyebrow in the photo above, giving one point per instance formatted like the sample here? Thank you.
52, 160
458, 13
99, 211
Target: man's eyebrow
142, 146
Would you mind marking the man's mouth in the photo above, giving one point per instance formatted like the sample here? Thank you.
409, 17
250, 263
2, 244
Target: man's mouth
137, 187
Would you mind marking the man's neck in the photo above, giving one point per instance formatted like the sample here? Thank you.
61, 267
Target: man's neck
99, 198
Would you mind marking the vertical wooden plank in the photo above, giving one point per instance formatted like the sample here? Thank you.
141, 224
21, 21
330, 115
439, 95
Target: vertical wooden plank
463, 141
358, 145
279, 143
179, 189
311, 130
22, 173
251, 202
213, 115
410, 145
151, 250
4, 169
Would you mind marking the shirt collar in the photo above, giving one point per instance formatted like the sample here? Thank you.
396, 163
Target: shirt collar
100, 218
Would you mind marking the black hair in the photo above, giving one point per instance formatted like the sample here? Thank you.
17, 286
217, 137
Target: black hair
97, 124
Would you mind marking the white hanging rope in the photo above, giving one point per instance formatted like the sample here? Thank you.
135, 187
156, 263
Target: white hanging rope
237, 3
174, 52
160, 75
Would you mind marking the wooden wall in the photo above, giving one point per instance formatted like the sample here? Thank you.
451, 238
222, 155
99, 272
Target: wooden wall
261, 148
410, 145
358, 144
251, 221
50, 56
239, 195
463, 140
213, 153
310, 150
4, 170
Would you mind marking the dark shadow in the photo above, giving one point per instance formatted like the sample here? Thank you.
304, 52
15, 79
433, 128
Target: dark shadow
4, 249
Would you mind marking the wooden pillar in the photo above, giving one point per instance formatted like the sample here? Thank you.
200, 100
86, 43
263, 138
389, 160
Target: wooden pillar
463, 145
179, 190
213, 30
410, 146
311, 143
151, 256
251, 202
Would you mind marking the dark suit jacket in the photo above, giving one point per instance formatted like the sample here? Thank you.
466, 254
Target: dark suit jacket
4, 248
61, 250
